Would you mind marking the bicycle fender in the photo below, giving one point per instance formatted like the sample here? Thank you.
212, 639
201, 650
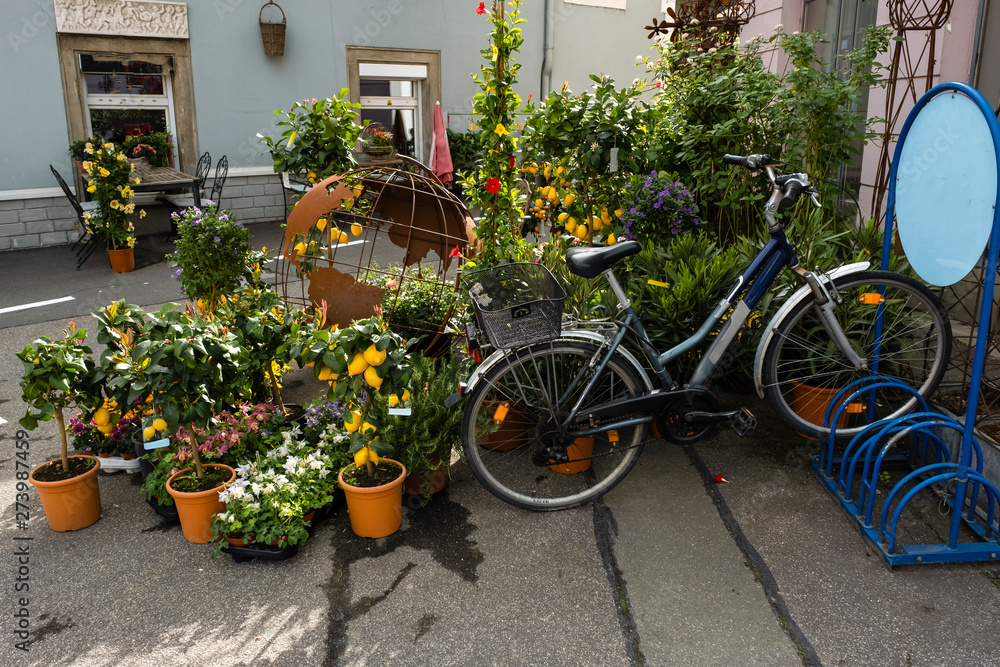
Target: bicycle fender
796, 298
579, 334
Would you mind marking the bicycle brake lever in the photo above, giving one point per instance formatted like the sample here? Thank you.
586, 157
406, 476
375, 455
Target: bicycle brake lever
814, 198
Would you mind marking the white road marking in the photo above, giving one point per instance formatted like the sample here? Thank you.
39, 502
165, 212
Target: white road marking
36, 304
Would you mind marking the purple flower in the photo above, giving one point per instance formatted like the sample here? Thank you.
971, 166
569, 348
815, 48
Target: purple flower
216, 239
674, 230
632, 210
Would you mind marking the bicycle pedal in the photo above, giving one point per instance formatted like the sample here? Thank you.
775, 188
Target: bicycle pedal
744, 423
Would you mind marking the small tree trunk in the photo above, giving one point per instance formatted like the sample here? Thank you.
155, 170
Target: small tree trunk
62, 438
275, 391
194, 451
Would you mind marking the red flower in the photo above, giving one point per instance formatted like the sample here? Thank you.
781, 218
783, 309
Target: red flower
455, 252
659, 84
493, 185
511, 163
529, 98
481, 9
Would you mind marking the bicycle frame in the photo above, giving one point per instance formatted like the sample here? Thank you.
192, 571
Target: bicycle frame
750, 287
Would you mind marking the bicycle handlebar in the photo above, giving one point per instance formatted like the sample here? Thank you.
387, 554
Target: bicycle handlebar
749, 161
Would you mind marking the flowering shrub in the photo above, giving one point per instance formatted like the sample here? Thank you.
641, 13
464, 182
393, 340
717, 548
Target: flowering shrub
273, 493
155, 147
213, 252
230, 430
659, 208
109, 181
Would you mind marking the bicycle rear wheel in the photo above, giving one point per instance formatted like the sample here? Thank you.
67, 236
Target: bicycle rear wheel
803, 369
513, 415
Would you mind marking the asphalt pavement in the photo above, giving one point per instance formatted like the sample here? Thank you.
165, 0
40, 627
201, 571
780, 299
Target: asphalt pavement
670, 568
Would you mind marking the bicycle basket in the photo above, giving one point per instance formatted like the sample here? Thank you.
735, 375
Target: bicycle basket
516, 304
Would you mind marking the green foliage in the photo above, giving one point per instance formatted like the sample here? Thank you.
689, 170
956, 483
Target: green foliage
213, 253
724, 100
492, 186
658, 207
424, 439
699, 273
579, 133
78, 149
465, 151
109, 181
320, 137
156, 147
417, 303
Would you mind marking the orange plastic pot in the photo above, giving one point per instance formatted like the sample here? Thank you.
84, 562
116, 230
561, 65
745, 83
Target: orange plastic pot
581, 448
122, 259
811, 403
71, 504
196, 510
375, 511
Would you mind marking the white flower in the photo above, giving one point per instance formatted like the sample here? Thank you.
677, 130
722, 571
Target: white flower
323, 473
315, 465
269, 488
256, 488
280, 480
712, 50
779, 27
638, 59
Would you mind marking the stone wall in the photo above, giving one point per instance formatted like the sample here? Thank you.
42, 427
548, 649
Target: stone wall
50, 221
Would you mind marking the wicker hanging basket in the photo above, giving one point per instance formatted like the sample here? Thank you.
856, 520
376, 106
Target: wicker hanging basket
273, 34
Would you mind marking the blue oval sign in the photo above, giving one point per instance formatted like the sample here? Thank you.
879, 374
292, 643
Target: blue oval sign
946, 188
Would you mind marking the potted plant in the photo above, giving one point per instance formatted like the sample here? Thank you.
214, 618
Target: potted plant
423, 440
368, 370
188, 365
419, 306
78, 150
376, 140
213, 254
58, 374
109, 182
156, 148
319, 139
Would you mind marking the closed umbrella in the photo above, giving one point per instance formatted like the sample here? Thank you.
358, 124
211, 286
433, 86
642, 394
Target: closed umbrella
441, 163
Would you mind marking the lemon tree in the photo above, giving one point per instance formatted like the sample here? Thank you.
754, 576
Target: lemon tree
57, 374
368, 369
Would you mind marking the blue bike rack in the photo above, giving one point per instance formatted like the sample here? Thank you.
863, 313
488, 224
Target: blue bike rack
945, 169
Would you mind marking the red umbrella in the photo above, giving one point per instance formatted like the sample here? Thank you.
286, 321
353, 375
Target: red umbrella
441, 163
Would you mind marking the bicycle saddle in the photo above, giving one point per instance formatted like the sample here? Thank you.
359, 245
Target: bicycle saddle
592, 262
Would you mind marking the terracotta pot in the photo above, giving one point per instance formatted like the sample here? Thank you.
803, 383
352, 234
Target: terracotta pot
104, 455
122, 260
309, 516
71, 504
579, 449
234, 541
127, 456
376, 511
196, 510
433, 480
811, 403
513, 431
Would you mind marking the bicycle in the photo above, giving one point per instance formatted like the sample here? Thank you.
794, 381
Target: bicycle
558, 418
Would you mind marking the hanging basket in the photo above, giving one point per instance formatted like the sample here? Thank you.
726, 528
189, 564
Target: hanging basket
273, 34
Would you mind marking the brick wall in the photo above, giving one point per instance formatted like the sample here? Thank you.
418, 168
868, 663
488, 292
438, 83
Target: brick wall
49, 221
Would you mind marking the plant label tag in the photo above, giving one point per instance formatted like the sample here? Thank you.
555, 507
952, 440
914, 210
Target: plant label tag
401, 412
156, 444
614, 160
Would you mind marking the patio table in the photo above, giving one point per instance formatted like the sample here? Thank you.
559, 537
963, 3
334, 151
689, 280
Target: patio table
165, 179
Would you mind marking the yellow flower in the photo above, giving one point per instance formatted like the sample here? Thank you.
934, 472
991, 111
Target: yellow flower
500, 130
130, 207
92, 188
121, 157
87, 164
142, 214
114, 204
89, 148
104, 172
108, 147
137, 180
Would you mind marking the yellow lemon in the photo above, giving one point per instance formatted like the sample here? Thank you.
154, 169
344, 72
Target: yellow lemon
356, 229
406, 394
300, 248
570, 198
570, 225
361, 457
562, 216
357, 190
611, 239
372, 378
393, 400
545, 172
355, 422
105, 429
372, 455
343, 237
321, 224
538, 203
159, 424
148, 433
598, 225
357, 365
327, 374
560, 170
367, 427
581, 232
373, 356
311, 176
102, 416
604, 215
553, 195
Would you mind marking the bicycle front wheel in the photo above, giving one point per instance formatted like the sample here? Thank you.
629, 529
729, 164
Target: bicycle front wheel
513, 415
803, 368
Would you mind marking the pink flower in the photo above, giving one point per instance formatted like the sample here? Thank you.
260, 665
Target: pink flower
493, 185
481, 9
391, 284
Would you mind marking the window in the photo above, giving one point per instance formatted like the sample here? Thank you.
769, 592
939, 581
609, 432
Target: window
125, 98
397, 88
